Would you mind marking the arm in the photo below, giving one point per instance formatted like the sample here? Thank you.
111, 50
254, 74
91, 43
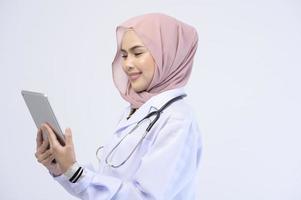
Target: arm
165, 170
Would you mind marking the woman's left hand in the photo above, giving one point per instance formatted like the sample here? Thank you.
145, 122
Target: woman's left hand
64, 155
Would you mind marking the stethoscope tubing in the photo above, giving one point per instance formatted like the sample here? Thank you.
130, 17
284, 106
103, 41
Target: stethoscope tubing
157, 113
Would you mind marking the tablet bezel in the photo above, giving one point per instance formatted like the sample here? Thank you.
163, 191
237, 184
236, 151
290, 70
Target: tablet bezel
42, 112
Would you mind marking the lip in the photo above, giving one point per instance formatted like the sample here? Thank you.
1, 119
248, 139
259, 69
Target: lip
134, 76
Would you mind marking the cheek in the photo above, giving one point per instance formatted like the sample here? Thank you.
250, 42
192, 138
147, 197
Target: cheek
147, 66
123, 66
150, 70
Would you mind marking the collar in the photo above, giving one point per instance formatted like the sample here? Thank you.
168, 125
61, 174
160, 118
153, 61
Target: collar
154, 103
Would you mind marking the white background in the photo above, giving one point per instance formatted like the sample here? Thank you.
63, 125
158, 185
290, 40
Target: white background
245, 88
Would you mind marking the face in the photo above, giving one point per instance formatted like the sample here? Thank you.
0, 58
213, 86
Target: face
137, 62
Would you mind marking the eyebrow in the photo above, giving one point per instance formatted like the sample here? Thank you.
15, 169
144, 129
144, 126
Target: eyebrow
132, 48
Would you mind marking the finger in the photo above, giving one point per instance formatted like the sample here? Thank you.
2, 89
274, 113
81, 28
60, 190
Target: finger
49, 160
43, 147
51, 136
43, 156
68, 136
39, 138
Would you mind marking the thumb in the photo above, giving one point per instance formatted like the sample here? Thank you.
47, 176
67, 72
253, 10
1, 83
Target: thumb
68, 136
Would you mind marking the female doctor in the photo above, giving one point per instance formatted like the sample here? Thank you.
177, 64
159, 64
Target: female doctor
155, 150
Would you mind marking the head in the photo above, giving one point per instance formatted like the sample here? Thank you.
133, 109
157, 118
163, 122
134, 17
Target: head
163, 60
137, 61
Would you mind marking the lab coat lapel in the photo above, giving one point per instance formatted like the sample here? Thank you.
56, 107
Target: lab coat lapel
152, 104
134, 119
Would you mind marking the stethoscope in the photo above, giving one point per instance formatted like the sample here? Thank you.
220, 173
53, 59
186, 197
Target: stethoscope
157, 114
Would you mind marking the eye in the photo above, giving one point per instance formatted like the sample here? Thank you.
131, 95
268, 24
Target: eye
137, 54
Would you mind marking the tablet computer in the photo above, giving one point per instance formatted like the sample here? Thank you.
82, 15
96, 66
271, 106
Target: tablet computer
41, 112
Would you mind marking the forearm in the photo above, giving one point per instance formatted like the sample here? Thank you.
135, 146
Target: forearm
95, 186
90, 185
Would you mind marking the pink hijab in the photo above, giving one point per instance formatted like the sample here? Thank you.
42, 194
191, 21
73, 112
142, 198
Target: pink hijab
172, 44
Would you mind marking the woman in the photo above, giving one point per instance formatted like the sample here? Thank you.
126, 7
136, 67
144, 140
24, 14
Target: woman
153, 62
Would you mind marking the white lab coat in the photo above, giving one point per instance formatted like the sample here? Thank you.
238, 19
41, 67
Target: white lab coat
163, 167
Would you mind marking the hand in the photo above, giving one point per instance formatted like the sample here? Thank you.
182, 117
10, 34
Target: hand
45, 156
64, 155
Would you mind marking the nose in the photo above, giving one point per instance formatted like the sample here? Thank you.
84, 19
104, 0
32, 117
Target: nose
128, 64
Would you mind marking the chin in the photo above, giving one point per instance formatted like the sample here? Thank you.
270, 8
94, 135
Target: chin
138, 89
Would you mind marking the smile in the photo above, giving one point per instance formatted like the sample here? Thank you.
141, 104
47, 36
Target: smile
134, 76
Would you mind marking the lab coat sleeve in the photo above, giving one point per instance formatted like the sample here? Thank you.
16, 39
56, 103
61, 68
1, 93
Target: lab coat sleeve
91, 186
166, 168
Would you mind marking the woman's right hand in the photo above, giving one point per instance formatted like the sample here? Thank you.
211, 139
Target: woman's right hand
45, 156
